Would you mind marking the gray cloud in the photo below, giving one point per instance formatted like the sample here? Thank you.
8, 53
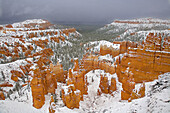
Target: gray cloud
99, 11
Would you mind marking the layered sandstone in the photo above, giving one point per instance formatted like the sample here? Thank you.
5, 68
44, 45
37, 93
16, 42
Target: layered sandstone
2, 97
52, 105
45, 81
58, 72
71, 97
106, 86
104, 49
143, 64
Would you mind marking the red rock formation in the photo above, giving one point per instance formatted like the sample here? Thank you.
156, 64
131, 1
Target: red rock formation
44, 53
16, 74
78, 79
52, 105
144, 64
141, 92
128, 85
28, 53
1, 28
104, 85
67, 31
71, 97
51, 83
62, 38
37, 88
76, 65
45, 25
58, 72
150, 21
2, 97
43, 82
91, 62
112, 86
31, 35
14, 78
56, 39
114, 52
30, 47
9, 26
6, 84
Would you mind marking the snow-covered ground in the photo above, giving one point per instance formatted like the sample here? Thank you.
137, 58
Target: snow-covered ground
136, 29
157, 99
143, 22
97, 45
6, 68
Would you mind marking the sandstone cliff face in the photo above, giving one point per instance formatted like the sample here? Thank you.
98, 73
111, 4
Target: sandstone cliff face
38, 90
143, 63
45, 81
77, 77
104, 49
41, 84
91, 62
71, 97
58, 72
106, 86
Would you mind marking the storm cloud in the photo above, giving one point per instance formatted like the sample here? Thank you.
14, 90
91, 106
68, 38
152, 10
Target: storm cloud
82, 11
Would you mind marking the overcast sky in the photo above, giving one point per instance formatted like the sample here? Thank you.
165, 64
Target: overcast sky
82, 11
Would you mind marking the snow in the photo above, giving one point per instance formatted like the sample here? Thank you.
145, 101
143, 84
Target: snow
107, 57
7, 106
122, 31
145, 21
6, 68
156, 99
109, 44
108, 103
8, 39
65, 88
20, 24
103, 42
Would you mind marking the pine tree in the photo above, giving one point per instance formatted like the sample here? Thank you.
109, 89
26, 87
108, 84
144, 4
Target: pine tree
3, 76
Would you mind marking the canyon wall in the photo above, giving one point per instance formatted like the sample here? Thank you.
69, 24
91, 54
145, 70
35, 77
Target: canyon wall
143, 64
